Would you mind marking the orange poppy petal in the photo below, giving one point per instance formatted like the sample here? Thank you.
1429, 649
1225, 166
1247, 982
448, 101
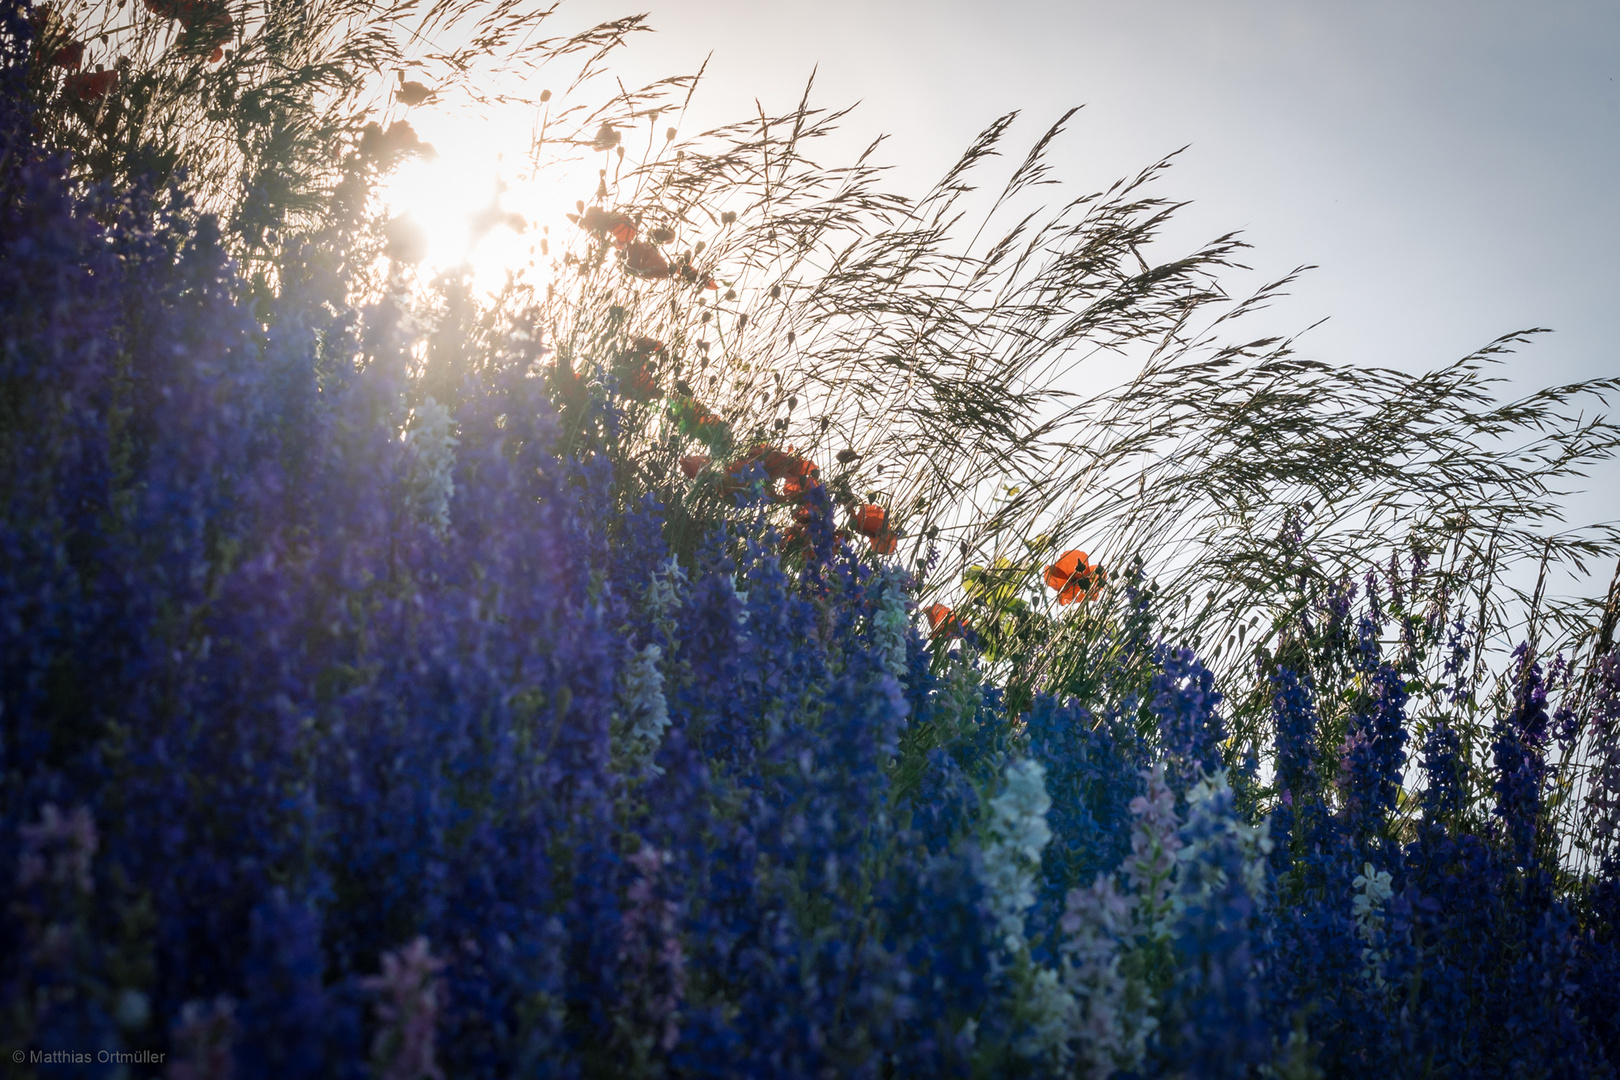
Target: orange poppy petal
645, 261
870, 520
1059, 573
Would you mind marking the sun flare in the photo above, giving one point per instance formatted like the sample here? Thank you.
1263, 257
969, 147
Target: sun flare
475, 203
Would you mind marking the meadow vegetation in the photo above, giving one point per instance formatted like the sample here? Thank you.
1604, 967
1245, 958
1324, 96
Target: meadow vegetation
683, 662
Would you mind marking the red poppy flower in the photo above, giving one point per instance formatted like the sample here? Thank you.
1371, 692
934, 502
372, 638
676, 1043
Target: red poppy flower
869, 520
884, 543
692, 464
644, 260
612, 223
70, 55
798, 484
1075, 578
90, 85
735, 470
646, 345
211, 29
943, 622
778, 464
206, 22
796, 473
639, 385
569, 387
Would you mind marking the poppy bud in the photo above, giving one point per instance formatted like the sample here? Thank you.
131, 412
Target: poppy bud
545, 96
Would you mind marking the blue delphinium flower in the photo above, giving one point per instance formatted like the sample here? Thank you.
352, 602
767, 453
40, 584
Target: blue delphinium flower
1374, 757
1185, 704
1092, 775
1519, 755
1018, 835
1213, 1025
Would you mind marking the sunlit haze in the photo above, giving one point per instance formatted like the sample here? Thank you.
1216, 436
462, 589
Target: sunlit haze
475, 200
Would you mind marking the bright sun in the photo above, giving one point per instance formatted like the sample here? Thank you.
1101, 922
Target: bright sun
475, 203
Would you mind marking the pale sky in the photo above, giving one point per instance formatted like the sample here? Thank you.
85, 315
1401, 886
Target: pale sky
1450, 167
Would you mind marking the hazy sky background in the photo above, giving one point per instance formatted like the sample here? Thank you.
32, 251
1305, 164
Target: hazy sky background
1450, 167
